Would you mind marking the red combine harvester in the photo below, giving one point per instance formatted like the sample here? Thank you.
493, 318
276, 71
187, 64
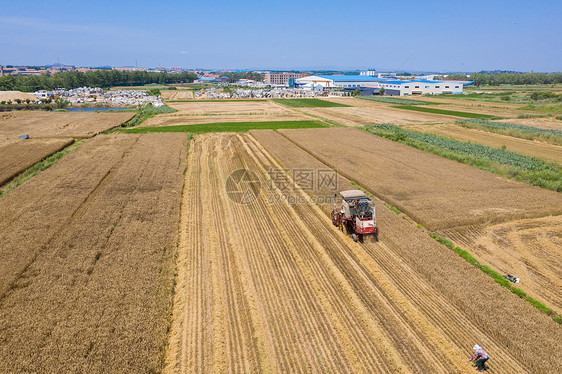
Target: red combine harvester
356, 215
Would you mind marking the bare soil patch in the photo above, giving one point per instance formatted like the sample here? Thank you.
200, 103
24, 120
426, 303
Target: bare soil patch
437, 192
38, 124
167, 120
528, 147
87, 258
18, 156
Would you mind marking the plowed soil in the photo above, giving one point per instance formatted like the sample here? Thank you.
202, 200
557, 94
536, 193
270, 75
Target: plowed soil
272, 286
528, 147
437, 192
18, 156
87, 258
528, 249
57, 125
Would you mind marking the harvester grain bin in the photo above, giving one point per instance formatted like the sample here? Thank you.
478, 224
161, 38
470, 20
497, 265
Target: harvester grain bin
356, 215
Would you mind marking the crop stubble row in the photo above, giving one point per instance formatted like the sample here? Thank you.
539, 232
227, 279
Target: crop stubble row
311, 299
87, 258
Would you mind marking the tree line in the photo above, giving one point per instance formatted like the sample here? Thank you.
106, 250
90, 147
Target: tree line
481, 79
91, 78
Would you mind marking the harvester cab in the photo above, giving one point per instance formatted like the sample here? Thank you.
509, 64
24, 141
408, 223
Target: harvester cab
356, 215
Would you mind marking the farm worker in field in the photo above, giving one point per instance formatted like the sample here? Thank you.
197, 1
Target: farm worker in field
480, 356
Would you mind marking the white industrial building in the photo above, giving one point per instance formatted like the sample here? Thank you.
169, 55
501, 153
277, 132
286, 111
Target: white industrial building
316, 82
421, 87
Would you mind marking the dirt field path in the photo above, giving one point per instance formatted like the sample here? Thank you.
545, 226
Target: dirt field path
528, 147
275, 287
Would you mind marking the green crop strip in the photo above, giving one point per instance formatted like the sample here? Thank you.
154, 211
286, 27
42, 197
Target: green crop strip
513, 129
226, 127
307, 103
147, 112
442, 111
500, 161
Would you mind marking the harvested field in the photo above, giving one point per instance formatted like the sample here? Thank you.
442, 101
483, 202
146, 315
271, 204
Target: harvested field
228, 107
528, 249
168, 120
545, 123
275, 287
437, 192
177, 94
307, 103
57, 125
528, 147
440, 110
87, 258
372, 112
18, 156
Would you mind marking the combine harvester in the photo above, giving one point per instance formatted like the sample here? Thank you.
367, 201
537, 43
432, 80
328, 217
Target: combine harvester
356, 215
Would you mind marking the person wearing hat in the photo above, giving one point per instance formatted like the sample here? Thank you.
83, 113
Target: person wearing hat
480, 356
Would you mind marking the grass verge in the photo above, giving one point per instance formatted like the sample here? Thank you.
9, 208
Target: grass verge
442, 111
227, 127
513, 129
307, 103
392, 100
500, 161
147, 112
39, 167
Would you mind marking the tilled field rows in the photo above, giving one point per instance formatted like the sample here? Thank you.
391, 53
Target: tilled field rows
87, 258
274, 287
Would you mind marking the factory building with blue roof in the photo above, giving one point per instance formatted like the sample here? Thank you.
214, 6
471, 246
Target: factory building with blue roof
372, 84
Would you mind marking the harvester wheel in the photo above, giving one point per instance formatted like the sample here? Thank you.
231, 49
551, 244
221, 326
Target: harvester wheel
354, 237
376, 236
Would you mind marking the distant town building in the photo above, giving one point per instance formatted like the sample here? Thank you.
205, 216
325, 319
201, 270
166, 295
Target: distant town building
281, 78
369, 72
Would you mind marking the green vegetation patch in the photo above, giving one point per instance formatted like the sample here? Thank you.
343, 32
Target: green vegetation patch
228, 127
393, 100
147, 112
500, 161
307, 103
534, 115
442, 111
513, 129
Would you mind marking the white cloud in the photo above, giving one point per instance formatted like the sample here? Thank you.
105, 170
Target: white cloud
184, 52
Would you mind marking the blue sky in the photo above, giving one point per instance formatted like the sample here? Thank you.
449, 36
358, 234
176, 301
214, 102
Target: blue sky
436, 35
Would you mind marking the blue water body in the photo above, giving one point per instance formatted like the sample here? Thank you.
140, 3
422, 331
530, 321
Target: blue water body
94, 109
